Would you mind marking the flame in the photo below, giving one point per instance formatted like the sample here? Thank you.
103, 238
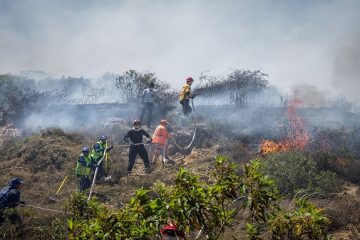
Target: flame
296, 137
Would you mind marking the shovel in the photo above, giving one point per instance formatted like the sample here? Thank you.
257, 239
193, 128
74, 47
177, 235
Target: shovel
54, 198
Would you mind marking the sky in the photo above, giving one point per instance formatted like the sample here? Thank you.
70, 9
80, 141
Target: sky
313, 43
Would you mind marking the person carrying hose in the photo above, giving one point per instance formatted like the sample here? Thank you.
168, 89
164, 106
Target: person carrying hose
160, 138
185, 95
98, 152
84, 166
10, 198
135, 137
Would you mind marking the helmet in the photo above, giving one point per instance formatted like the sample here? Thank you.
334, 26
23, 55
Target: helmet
164, 122
85, 150
189, 79
136, 122
169, 230
102, 138
16, 181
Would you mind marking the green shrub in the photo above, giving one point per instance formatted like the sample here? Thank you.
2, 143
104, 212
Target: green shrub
294, 171
194, 204
306, 221
344, 165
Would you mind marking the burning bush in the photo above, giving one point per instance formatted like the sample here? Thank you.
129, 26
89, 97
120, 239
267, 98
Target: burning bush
294, 171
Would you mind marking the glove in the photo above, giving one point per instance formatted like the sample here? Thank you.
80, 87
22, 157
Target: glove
109, 148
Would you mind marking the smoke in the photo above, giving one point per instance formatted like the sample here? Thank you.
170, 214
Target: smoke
315, 43
310, 95
347, 67
293, 41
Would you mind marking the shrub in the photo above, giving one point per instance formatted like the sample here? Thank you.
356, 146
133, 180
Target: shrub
16, 97
294, 171
306, 221
239, 85
194, 204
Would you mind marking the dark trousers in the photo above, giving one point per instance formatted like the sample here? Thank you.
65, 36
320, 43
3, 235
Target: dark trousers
101, 171
84, 183
147, 107
13, 217
133, 152
186, 107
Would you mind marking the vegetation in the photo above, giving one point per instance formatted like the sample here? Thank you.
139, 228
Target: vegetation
201, 209
294, 171
132, 83
337, 150
239, 86
16, 97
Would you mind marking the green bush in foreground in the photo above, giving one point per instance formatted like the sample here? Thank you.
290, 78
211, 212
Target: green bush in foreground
294, 171
193, 204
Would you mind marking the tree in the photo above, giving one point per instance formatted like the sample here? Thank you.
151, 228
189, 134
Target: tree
132, 83
239, 86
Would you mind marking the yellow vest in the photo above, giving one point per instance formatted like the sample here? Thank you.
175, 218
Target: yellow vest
185, 92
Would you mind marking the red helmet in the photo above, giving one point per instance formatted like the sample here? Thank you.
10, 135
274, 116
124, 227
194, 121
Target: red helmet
189, 79
169, 230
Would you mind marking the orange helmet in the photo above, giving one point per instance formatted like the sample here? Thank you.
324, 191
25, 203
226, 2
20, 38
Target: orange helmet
189, 79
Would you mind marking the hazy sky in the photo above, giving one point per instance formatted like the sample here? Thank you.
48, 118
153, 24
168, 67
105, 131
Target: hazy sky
299, 41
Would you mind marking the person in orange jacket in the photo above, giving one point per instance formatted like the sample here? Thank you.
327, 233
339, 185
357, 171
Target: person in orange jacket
159, 139
185, 96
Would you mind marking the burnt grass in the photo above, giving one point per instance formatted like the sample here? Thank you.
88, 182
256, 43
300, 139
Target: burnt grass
45, 158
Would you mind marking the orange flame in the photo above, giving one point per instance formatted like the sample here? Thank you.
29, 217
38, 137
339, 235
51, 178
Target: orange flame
297, 137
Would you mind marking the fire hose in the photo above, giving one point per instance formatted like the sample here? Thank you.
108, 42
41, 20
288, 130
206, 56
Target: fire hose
194, 135
41, 208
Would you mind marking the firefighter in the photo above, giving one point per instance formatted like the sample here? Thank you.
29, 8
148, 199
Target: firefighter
185, 96
148, 99
135, 138
84, 166
98, 152
160, 138
10, 198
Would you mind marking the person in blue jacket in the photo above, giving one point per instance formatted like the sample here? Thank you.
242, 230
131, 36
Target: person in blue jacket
10, 198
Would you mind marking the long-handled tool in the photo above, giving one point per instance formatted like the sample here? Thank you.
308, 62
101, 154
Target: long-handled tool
95, 174
106, 159
54, 198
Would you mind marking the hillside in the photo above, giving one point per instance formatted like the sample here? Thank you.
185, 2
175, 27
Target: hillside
44, 159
